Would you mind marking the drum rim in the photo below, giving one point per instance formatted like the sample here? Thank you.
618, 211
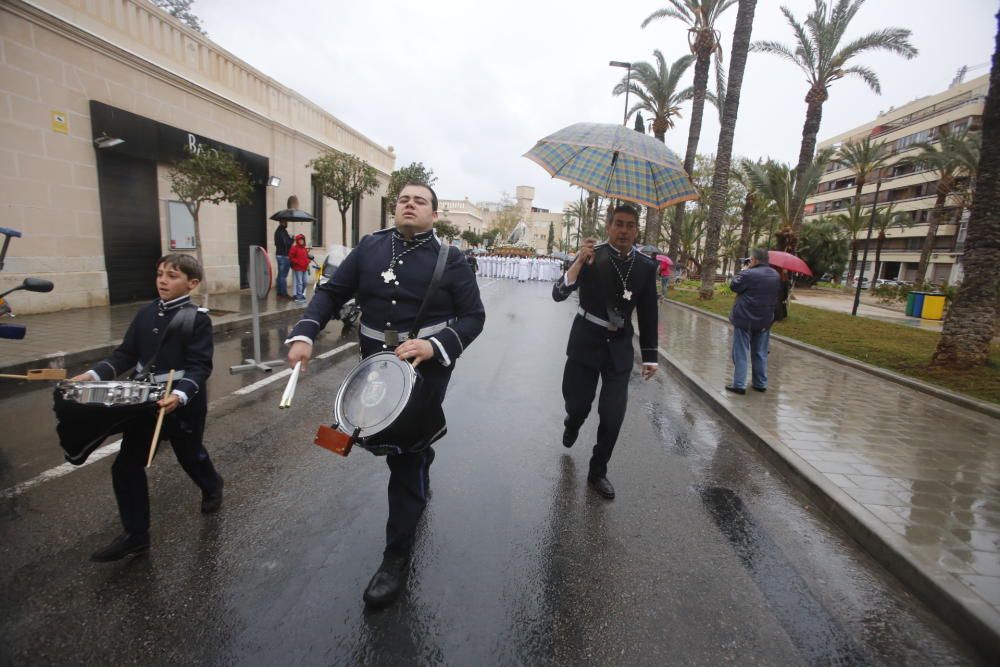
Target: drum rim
154, 390
411, 378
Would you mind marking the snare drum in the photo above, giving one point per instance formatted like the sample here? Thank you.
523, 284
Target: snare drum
384, 404
110, 393
87, 413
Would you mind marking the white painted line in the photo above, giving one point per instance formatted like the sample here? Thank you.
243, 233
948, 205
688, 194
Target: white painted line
112, 448
59, 471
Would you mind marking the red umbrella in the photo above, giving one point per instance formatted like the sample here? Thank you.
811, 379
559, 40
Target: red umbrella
665, 260
783, 260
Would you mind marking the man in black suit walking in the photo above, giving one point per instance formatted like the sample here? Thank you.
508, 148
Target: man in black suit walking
614, 279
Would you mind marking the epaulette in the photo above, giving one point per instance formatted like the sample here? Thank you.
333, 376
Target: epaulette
202, 310
382, 231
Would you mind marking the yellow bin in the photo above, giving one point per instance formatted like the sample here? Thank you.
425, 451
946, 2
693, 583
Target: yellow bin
933, 307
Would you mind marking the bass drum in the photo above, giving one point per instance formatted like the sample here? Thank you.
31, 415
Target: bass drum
385, 404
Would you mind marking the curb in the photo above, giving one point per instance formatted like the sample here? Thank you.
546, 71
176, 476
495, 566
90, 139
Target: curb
945, 395
85, 355
964, 612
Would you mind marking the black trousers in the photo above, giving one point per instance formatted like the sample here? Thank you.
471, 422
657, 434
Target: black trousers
409, 475
128, 473
579, 387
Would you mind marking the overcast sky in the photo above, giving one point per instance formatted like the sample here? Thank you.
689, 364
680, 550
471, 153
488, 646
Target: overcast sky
467, 87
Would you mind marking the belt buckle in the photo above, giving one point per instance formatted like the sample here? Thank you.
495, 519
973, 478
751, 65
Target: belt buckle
391, 337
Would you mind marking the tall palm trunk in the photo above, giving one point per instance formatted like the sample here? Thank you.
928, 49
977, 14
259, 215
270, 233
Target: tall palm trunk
724, 152
701, 67
814, 117
745, 220
853, 263
932, 226
971, 321
878, 258
654, 216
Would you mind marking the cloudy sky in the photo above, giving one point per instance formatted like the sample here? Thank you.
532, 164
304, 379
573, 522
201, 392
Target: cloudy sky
467, 87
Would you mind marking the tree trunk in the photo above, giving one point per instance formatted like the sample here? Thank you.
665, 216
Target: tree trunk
343, 226
971, 321
932, 227
746, 219
878, 258
653, 219
814, 116
724, 152
852, 265
701, 67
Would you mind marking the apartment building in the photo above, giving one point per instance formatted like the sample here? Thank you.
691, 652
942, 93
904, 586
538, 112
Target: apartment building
912, 190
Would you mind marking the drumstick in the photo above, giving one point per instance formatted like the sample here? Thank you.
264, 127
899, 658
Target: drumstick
39, 374
286, 398
159, 420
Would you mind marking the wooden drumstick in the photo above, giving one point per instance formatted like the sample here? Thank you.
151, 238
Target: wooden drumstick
159, 420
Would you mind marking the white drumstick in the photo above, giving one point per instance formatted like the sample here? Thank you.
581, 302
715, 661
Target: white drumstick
286, 398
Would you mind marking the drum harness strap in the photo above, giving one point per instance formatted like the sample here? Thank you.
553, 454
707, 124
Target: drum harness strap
183, 320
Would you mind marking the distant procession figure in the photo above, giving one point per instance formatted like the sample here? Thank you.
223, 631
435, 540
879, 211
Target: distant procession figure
613, 279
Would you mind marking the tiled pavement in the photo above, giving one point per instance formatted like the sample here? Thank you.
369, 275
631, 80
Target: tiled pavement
920, 473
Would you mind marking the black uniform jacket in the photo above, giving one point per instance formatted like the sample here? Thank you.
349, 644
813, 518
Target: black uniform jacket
391, 306
193, 356
600, 285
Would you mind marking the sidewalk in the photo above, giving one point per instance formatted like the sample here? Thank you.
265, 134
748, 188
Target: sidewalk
74, 337
844, 303
914, 479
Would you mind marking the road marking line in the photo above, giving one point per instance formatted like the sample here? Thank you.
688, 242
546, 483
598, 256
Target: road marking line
113, 447
60, 470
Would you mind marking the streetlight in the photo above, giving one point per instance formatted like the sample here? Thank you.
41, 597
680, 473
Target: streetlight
628, 81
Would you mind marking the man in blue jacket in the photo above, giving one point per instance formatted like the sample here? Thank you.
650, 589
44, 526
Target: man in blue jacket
757, 288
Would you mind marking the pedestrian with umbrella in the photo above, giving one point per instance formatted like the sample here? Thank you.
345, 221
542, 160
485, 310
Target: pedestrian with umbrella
283, 242
758, 289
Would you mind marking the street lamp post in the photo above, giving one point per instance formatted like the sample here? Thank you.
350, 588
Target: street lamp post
628, 82
864, 257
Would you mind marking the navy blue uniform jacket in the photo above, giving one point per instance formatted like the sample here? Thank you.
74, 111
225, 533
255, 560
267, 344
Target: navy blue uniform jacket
590, 343
193, 356
388, 306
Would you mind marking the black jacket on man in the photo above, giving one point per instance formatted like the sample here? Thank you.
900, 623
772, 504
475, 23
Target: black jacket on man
758, 290
282, 240
600, 287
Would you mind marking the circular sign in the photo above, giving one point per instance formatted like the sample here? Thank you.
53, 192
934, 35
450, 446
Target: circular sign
261, 276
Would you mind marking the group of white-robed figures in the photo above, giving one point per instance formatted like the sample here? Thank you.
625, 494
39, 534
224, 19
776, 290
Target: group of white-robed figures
520, 268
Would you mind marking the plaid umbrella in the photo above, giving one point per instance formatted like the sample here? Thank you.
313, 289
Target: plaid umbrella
615, 161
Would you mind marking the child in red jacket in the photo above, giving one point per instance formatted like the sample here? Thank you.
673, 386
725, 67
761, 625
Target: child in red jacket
298, 257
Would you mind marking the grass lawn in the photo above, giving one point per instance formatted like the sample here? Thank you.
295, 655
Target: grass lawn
895, 347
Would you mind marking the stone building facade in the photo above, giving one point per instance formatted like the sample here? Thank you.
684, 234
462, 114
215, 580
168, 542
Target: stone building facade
97, 99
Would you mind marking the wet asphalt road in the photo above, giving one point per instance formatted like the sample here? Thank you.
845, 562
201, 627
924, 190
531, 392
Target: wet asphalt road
705, 558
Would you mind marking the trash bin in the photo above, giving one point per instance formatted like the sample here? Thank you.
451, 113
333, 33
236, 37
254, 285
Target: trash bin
911, 299
933, 307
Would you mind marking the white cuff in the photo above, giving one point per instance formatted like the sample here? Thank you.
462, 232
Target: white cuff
445, 359
653, 364
180, 394
566, 282
304, 339
94, 376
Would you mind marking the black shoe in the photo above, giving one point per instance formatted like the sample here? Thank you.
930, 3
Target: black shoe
211, 501
125, 544
602, 486
760, 389
569, 434
387, 582
735, 389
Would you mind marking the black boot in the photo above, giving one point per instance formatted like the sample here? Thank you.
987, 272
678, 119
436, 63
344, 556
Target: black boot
211, 501
387, 583
123, 545
602, 486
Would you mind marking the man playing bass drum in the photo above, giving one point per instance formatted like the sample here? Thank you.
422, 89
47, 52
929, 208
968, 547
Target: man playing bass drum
389, 273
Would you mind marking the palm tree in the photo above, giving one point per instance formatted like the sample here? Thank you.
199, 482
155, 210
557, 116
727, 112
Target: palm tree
781, 186
819, 54
864, 158
659, 93
971, 321
724, 151
749, 204
954, 160
703, 40
886, 219
852, 222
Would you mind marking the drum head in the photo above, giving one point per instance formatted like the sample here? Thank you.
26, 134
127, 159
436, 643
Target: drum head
374, 394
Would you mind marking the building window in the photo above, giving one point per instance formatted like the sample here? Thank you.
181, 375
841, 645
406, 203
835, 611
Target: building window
317, 210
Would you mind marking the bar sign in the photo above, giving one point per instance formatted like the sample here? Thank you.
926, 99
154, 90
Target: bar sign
60, 122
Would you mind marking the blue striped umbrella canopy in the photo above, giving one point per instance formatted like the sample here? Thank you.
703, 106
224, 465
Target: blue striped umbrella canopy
615, 161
